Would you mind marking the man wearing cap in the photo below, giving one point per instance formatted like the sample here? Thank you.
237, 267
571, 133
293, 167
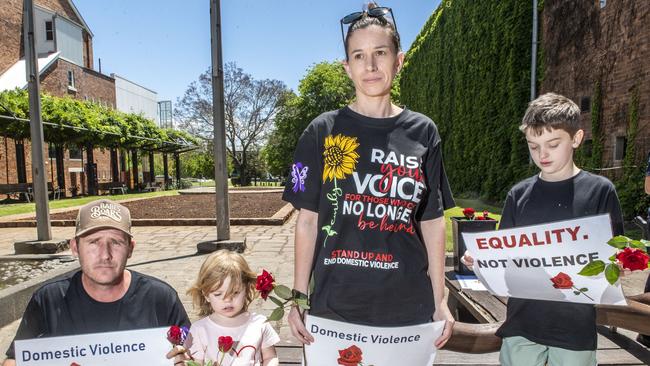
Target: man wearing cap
103, 295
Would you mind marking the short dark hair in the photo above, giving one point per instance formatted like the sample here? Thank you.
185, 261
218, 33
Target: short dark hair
551, 111
366, 21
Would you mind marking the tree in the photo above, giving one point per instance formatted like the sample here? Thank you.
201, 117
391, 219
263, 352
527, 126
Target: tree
250, 107
198, 163
325, 87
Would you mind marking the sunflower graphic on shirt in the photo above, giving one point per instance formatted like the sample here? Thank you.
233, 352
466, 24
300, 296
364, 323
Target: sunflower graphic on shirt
340, 158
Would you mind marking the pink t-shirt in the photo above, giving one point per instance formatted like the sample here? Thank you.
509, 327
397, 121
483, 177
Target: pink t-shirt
257, 332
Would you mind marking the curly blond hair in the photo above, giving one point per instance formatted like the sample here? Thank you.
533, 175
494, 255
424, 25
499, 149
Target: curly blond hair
215, 269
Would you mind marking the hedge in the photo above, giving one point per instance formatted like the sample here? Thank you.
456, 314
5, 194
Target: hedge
469, 70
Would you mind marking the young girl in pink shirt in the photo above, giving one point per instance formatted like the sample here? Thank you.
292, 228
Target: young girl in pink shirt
223, 290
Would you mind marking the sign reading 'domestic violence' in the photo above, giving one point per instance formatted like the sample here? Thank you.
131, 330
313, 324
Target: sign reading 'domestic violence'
132, 347
338, 343
542, 261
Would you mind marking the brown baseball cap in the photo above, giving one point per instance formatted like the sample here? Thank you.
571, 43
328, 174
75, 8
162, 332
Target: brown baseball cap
103, 214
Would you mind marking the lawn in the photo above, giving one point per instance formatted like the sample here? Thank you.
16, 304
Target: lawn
457, 211
19, 208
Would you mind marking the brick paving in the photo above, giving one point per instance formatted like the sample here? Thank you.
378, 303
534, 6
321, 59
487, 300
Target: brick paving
169, 253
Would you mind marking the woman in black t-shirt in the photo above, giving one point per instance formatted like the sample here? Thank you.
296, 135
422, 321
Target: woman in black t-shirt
371, 189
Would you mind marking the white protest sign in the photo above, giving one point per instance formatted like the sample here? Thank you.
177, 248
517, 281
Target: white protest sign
338, 343
521, 262
132, 347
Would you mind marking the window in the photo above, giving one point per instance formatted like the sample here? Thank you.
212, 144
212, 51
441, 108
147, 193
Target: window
70, 79
49, 30
585, 104
75, 152
619, 148
587, 147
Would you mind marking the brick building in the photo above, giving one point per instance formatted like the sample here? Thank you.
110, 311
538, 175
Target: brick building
604, 42
65, 52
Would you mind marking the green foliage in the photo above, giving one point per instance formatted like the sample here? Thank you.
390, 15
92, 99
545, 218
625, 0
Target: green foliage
469, 70
198, 163
630, 187
90, 122
325, 87
185, 184
596, 130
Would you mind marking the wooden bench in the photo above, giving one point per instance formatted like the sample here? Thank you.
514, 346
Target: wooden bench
112, 187
28, 190
16, 189
153, 187
490, 312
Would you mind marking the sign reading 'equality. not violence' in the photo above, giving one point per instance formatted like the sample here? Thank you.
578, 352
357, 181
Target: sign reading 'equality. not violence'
523, 262
338, 343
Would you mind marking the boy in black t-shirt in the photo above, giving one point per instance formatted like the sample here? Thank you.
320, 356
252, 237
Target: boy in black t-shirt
536, 331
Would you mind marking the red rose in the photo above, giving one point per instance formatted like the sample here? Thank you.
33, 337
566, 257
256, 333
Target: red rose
264, 284
350, 356
486, 214
75, 364
562, 281
633, 259
469, 212
225, 343
174, 335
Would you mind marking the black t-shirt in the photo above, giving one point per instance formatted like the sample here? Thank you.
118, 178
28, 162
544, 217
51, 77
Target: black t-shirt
534, 201
371, 180
63, 308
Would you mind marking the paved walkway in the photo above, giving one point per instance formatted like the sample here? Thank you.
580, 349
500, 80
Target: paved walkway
169, 253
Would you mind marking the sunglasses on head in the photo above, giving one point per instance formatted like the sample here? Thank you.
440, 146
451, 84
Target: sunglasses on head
377, 12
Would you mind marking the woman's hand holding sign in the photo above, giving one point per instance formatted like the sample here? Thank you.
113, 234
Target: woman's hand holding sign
297, 326
442, 313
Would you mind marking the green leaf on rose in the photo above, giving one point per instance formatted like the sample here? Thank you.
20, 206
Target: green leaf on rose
619, 241
612, 258
593, 268
277, 314
612, 272
584, 289
638, 245
283, 292
576, 292
276, 301
192, 363
302, 303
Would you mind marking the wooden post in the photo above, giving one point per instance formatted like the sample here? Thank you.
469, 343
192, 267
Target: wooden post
115, 171
39, 179
220, 165
134, 164
91, 170
152, 173
165, 171
177, 163
60, 168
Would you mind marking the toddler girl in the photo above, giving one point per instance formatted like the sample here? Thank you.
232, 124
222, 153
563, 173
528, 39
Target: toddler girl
223, 290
